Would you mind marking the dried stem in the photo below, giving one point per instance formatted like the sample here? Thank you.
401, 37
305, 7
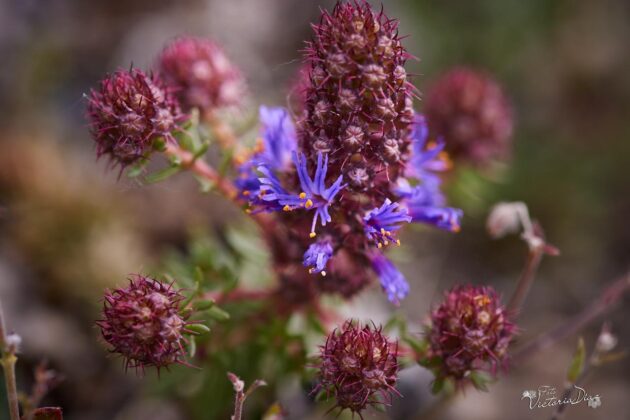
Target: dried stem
241, 395
8, 361
534, 257
606, 301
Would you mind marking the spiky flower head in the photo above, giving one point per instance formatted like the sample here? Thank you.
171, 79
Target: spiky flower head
128, 112
143, 323
358, 104
469, 331
203, 75
359, 367
470, 111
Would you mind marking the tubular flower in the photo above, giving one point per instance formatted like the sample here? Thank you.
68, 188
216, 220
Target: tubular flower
142, 323
392, 281
128, 112
447, 218
381, 223
469, 331
470, 111
273, 152
314, 196
203, 75
358, 367
317, 255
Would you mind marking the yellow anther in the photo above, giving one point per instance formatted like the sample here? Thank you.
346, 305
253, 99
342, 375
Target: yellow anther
383, 231
312, 234
248, 211
456, 228
385, 243
482, 300
302, 195
286, 208
323, 274
310, 270
246, 193
308, 204
398, 242
380, 245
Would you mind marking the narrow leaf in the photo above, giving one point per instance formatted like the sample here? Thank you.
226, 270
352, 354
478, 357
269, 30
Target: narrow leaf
577, 363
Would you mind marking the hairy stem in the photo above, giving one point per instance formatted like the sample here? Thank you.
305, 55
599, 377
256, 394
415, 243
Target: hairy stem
225, 186
534, 257
604, 303
223, 132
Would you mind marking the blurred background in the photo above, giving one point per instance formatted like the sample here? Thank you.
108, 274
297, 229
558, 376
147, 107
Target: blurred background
69, 228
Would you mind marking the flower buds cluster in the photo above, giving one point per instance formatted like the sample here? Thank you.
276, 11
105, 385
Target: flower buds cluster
358, 104
128, 112
358, 367
469, 110
468, 332
201, 73
143, 323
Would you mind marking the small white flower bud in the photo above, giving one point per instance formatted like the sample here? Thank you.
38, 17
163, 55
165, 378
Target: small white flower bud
504, 219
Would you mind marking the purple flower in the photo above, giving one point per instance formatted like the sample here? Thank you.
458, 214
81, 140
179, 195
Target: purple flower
381, 222
279, 138
392, 280
278, 141
317, 255
447, 218
314, 195
426, 159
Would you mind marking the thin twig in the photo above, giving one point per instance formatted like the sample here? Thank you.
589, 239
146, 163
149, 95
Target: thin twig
534, 257
606, 302
241, 395
223, 132
8, 360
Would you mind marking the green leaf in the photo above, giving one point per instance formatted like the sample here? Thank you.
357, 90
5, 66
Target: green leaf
203, 305
162, 174
198, 328
218, 314
577, 363
192, 343
480, 380
437, 385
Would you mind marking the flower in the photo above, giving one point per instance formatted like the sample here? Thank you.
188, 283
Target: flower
470, 111
447, 218
358, 367
392, 281
358, 102
468, 331
427, 158
314, 196
142, 323
273, 152
317, 255
128, 113
381, 222
203, 75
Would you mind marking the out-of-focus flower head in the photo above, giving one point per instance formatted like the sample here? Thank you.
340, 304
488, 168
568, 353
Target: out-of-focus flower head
203, 75
469, 110
358, 367
469, 331
128, 112
143, 323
